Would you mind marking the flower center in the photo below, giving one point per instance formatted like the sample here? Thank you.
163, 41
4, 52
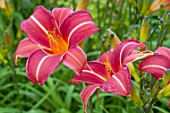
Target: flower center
108, 67
57, 43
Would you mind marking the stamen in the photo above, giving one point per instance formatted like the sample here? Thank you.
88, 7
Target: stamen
43, 49
57, 43
108, 67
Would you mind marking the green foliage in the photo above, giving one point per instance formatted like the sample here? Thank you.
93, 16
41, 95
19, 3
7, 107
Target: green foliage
18, 95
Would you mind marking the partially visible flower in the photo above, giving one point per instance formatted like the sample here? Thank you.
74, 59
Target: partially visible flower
155, 6
156, 64
110, 72
52, 38
2, 4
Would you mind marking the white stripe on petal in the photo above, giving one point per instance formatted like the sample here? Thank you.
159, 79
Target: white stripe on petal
120, 60
39, 66
154, 66
92, 72
80, 25
74, 58
39, 24
120, 83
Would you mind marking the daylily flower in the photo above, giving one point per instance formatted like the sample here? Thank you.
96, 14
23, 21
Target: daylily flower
52, 38
110, 72
156, 64
156, 5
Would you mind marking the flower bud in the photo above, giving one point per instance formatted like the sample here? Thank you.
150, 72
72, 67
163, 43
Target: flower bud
133, 72
82, 5
115, 41
145, 6
165, 92
135, 96
165, 78
157, 86
144, 30
168, 17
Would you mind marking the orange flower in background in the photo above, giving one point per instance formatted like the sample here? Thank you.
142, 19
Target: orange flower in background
155, 6
2, 4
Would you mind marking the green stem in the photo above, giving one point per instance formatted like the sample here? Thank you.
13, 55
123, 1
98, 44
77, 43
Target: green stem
121, 9
15, 81
141, 85
162, 37
74, 5
153, 31
90, 106
147, 110
111, 16
105, 15
130, 15
136, 11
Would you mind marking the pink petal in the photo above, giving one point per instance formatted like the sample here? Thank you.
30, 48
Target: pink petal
122, 51
118, 84
136, 55
77, 26
75, 59
93, 72
24, 49
86, 94
38, 25
156, 65
163, 51
61, 13
102, 58
40, 66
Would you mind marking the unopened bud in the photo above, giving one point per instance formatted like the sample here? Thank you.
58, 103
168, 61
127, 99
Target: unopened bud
105, 36
144, 30
128, 34
168, 17
148, 92
165, 92
133, 72
162, 20
82, 5
160, 80
145, 5
165, 78
159, 87
137, 27
103, 41
109, 45
131, 28
135, 96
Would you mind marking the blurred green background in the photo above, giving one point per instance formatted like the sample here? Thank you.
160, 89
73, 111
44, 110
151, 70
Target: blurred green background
57, 95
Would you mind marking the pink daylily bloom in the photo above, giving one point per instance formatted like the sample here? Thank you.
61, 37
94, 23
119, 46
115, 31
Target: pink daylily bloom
109, 72
53, 38
156, 64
